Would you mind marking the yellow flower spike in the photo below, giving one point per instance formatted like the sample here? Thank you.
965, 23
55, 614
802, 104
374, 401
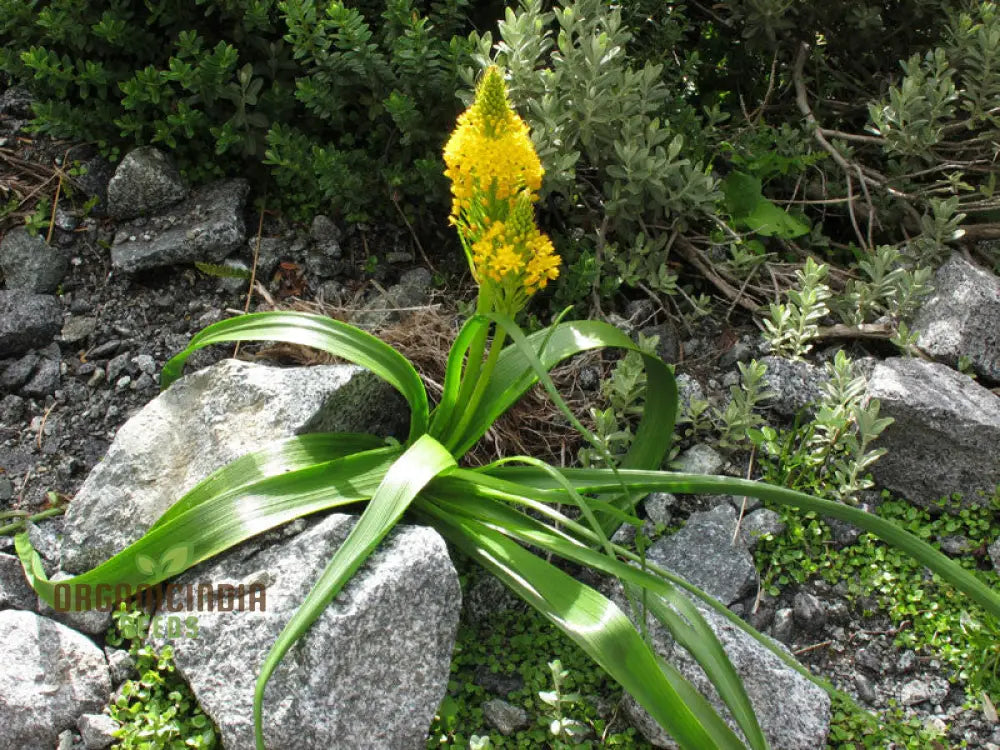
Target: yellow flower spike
492, 105
495, 176
490, 152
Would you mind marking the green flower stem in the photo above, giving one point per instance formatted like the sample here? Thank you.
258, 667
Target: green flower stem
24, 518
474, 364
481, 382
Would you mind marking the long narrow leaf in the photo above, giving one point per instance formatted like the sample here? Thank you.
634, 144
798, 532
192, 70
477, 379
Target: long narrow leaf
216, 524
594, 623
281, 457
601, 480
514, 374
422, 461
694, 633
325, 334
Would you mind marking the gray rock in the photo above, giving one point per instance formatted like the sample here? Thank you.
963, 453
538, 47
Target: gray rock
688, 390
413, 290
994, 551
865, 688
144, 183
741, 351
206, 227
922, 690
870, 659
793, 712
68, 740
96, 730
795, 384
937, 445
17, 373
15, 593
783, 624
323, 229
625, 535
44, 537
398, 257
117, 365
332, 292
699, 459
203, 422
742, 503
498, 683
956, 545
658, 505
838, 611
106, 349
145, 363
370, 672
808, 611
962, 317
16, 102
27, 321
28, 263
120, 665
44, 381
907, 662
705, 554
323, 253
78, 328
504, 717
668, 346
761, 522
272, 251
93, 180
51, 675
842, 532
90, 621
488, 597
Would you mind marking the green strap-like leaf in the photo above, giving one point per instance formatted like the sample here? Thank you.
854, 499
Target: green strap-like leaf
409, 474
328, 335
461, 497
281, 457
602, 480
594, 623
515, 373
216, 524
513, 376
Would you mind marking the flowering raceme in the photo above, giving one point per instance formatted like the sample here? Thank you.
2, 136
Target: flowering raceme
495, 176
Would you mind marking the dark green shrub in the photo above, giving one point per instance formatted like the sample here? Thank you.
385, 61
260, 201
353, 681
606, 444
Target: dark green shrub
347, 103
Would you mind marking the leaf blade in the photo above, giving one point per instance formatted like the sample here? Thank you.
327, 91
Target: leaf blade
407, 476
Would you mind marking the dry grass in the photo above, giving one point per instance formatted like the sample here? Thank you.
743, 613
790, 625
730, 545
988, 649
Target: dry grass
533, 426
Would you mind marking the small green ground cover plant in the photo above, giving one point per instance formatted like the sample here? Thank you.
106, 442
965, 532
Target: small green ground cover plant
156, 710
930, 615
526, 644
484, 512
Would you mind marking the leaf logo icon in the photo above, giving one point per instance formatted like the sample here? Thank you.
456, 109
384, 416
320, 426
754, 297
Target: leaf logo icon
176, 559
173, 561
145, 564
